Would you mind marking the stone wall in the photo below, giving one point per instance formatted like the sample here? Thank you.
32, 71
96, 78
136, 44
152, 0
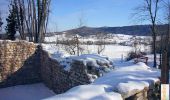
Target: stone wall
19, 63
59, 80
149, 93
23, 62
53, 75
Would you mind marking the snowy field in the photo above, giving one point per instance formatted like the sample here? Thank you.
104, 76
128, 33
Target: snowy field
111, 51
118, 38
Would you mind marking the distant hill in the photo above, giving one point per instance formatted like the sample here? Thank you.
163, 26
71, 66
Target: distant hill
140, 30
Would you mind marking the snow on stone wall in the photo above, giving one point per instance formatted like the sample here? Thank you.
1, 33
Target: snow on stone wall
61, 74
58, 79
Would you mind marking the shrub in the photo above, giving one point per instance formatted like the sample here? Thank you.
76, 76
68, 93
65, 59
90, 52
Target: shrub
132, 55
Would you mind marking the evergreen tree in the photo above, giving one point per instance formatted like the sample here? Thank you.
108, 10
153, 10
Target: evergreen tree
11, 23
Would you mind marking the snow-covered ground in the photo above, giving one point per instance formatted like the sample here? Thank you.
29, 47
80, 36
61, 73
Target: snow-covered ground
129, 79
26, 92
111, 51
126, 79
87, 92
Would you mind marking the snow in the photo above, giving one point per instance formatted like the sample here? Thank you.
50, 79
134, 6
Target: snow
112, 51
129, 80
87, 92
134, 67
151, 60
94, 60
91, 58
122, 81
26, 92
97, 62
131, 87
54, 51
125, 79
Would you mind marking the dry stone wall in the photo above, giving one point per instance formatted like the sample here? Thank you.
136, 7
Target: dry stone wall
23, 62
53, 74
19, 63
58, 79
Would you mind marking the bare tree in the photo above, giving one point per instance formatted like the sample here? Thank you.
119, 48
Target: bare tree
164, 43
32, 18
165, 46
73, 46
101, 43
77, 44
136, 44
81, 23
167, 40
149, 11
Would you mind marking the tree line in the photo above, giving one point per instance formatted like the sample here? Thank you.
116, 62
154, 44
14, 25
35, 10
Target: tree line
29, 18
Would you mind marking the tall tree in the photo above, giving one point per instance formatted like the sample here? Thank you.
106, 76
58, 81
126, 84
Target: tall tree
152, 7
32, 18
20, 18
167, 40
165, 46
149, 11
11, 27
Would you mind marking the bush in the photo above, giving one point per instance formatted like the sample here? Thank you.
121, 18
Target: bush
133, 55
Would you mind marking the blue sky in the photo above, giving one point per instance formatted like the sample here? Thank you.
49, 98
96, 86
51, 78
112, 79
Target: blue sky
65, 14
